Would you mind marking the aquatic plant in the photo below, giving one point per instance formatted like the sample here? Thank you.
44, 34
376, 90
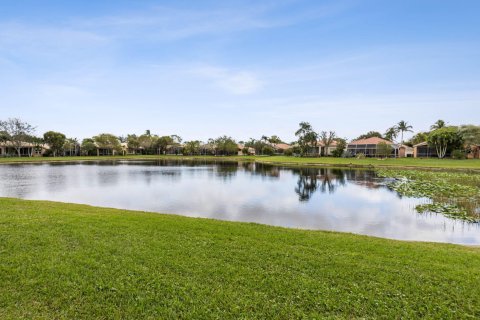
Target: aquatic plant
454, 194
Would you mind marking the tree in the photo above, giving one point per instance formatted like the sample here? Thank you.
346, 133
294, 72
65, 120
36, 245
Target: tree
419, 138
370, 134
341, 146
226, 146
88, 147
108, 141
132, 142
258, 145
402, 127
391, 133
327, 139
55, 140
162, 143
17, 132
4, 137
384, 150
147, 142
439, 124
192, 147
307, 137
470, 134
268, 150
444, 138
70, 145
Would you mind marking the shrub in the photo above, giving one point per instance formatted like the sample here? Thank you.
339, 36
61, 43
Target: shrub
288, 152
267, 150
458, 154
360, 156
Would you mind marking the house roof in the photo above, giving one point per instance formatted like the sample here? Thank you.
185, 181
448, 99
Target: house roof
421, 144
372, 140
321, 144
283, 146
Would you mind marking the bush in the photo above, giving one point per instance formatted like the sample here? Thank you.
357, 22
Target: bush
267, 150
458, 154
288, 152
360, 156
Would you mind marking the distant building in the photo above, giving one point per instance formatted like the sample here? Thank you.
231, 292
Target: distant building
281, 147
368, 147
27, 149
423, 150
405, 151
250, 150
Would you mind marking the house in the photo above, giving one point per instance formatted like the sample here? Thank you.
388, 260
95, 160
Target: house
405, 151
368, 147
250, 150
174, 149
324, 150
281, 147
27, 149
474, 152
423, 150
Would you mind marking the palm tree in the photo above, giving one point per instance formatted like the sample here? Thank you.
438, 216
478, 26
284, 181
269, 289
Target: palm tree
438, 125
402, 127
391, 135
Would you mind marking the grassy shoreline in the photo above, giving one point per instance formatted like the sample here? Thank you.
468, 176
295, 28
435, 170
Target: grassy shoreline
63, 260
406, 163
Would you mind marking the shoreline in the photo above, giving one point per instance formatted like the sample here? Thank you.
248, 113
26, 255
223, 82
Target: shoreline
321, 162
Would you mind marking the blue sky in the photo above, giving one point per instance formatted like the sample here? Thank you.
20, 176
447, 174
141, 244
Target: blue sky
202, 69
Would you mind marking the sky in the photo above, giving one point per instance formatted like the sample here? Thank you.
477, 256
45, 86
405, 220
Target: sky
201, 69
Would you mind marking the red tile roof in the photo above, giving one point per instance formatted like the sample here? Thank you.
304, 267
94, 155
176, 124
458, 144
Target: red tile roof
372, 140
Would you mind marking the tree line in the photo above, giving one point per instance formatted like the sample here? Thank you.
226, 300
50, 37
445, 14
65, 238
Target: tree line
441, 136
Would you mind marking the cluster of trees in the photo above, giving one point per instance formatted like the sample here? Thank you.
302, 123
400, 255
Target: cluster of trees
308, 140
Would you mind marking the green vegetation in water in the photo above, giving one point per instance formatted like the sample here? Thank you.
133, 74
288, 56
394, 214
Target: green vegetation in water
453, 194
67, 261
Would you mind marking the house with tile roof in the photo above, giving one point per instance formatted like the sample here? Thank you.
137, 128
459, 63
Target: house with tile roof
368, 147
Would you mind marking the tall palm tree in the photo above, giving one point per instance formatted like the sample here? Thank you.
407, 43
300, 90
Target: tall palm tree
438, 125
402, 127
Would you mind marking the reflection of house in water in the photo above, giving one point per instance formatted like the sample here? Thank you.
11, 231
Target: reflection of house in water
261, 169
366, 178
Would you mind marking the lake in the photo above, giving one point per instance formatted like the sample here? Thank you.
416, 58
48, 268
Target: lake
344, 200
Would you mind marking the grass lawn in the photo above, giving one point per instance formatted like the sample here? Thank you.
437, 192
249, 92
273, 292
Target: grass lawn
321, 161
80, 262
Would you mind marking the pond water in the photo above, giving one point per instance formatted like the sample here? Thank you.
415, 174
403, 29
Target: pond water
345, 200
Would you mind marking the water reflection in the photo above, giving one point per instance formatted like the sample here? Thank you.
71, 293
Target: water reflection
314, 198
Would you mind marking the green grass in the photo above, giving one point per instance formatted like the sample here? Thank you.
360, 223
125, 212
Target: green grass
80, 262
321, 161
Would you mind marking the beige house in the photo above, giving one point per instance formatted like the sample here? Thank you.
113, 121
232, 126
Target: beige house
324, 150
27, 149
251, 151
405, 151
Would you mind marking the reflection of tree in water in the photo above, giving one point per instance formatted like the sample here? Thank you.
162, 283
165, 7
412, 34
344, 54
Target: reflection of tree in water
306, 186
310, 180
